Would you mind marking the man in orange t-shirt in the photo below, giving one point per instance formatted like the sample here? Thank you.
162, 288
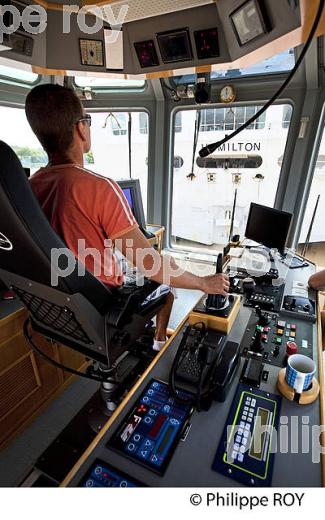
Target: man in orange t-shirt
90, 211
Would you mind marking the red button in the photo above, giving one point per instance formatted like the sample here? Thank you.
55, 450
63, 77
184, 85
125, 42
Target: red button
291, 348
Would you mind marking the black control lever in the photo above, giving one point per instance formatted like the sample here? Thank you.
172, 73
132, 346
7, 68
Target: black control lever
216, 301
263, 317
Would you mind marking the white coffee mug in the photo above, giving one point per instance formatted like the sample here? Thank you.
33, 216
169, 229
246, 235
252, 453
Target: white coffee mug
300, 372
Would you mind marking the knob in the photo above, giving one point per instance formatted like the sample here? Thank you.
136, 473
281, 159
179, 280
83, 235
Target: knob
307, 307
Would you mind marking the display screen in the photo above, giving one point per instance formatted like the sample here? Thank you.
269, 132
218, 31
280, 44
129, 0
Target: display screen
175, 46
248, 22
146, 53
103, 475
206, 42
268, 226
128, 195
152, 430
259, 434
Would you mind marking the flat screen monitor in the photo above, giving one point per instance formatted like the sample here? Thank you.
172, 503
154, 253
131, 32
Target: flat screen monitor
132, 192
268, 226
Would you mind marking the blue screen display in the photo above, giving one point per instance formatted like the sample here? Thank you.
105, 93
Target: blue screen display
152, 430
128, 195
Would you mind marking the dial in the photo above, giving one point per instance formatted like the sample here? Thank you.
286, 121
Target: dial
227, 94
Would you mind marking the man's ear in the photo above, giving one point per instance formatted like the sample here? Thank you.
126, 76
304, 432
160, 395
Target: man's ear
81, 130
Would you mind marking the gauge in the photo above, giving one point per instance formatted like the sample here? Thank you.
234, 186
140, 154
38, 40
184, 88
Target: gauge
227, 94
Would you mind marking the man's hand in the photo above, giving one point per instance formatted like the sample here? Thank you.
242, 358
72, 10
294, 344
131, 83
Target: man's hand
216, 284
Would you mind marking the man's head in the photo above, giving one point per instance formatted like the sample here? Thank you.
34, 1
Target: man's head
58, 119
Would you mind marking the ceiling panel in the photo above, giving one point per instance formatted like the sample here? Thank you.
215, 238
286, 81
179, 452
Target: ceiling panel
140, 9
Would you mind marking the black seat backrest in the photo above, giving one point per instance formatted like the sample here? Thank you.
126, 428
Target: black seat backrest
27, 238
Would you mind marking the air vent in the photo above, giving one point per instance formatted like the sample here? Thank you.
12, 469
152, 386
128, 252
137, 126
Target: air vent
17, 383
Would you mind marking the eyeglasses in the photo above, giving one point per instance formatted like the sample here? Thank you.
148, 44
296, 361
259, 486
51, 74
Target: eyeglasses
87, 118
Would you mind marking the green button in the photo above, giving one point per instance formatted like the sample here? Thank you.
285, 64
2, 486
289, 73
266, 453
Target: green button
278, 341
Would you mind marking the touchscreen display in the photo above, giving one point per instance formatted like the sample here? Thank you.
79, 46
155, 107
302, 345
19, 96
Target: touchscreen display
152, 430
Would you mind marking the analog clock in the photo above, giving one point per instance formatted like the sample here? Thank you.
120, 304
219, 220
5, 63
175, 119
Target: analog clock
227, 94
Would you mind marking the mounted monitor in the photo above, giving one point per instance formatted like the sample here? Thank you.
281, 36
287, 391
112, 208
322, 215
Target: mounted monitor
268, 226
207, 45
175, 45
146, 52
250, 21
132, 192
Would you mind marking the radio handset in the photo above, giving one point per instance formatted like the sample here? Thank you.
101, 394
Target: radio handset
216, 301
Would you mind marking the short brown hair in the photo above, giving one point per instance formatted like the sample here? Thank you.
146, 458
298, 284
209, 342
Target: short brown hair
52, 111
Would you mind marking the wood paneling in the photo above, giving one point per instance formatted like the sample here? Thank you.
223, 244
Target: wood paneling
28, 382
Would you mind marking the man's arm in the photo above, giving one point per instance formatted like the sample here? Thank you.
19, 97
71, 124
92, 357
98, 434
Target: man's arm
317, 281
163, 269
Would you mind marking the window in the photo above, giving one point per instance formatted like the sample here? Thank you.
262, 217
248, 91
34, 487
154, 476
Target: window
283, 62
202, 205
143, 123
229, 119
102, 83
110, 147
17, 74
286, 116
316, 248
16, 132
178, 122
279, 64
118, 123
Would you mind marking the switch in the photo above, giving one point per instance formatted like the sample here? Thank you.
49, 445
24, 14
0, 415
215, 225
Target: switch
265, 376
293, 326
276, 351
292, 334
280, 332
281, 324
266, 329
264, 338
278, 341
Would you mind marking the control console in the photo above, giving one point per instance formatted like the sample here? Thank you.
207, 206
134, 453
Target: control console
271, 337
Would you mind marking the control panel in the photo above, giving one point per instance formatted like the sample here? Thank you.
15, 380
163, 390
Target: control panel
244, 452
267, 297
303, 308
102, 475
150, 433
272, 337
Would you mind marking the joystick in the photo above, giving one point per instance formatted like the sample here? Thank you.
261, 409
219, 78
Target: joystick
256, 345
263, 318
216, 301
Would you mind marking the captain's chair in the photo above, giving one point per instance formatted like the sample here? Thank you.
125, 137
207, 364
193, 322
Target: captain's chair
80, 311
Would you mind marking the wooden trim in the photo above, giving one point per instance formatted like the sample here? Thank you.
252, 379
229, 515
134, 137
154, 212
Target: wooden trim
321, 384
119, 409
48, 72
